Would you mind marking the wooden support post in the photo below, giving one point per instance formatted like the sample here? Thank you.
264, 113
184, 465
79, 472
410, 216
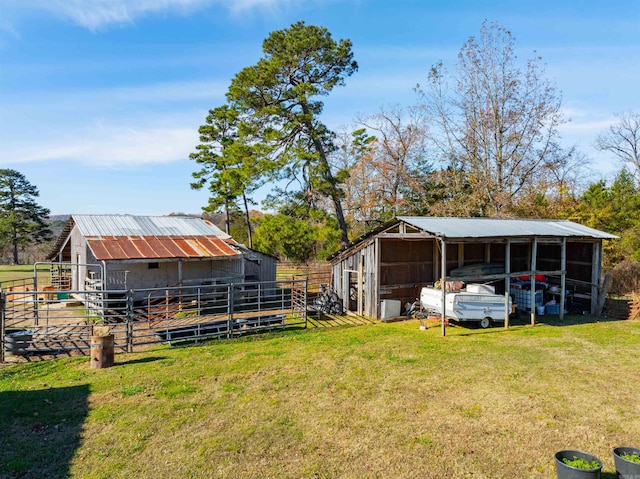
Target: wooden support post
376, 287
534, 260
2, 332
443, 272
563, 277
602, 295
596, 273
507, 282
359, 306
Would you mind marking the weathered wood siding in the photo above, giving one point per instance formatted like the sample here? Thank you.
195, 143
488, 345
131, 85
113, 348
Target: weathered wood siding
363, 259
405, 266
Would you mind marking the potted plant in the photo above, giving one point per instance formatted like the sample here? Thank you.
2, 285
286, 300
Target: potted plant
627, 461
577, 465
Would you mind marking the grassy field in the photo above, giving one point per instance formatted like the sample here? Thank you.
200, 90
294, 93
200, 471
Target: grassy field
20, 271
374, 401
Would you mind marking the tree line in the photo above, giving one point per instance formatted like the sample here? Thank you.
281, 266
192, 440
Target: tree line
482, 140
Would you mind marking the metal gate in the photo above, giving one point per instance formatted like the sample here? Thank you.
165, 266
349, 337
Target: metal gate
54, 322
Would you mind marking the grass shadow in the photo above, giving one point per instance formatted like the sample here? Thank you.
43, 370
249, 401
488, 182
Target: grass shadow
149, 359
523, 319
41, 431
574, 319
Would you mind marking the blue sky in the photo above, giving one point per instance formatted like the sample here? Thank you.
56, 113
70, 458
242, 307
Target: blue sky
100, 100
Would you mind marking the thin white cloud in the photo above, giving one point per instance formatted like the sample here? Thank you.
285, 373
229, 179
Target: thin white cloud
114, 146
99, 14
122, 126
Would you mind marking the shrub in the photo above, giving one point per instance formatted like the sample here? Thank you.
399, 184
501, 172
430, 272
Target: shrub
625, 278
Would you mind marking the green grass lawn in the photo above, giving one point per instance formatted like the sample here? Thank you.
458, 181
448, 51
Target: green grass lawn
374, 401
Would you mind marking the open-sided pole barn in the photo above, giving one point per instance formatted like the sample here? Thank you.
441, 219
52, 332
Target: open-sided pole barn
397, 259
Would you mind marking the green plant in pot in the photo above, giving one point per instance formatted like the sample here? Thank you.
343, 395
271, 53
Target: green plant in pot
577, 465
627, 461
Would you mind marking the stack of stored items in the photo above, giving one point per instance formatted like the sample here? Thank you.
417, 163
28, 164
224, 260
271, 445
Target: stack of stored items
522, 297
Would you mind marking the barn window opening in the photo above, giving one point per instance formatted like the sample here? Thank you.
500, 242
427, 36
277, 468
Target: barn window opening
154, 265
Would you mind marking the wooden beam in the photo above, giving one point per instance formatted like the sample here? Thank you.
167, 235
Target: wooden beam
405, 235
498, 276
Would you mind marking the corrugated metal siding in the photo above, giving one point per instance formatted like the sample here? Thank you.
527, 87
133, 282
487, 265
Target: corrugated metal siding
490, 227
154, 247
129, 225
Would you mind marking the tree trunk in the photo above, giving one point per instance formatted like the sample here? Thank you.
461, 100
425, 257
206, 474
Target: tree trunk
227, 222
335, 197
248, 219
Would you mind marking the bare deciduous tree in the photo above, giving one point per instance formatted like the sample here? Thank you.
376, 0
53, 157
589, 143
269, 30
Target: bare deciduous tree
623, 140
494, 123
399, 151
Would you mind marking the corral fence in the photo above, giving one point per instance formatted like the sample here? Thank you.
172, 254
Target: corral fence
316, 273
54, 322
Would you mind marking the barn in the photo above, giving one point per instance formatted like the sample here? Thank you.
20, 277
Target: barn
118, 252
394, 261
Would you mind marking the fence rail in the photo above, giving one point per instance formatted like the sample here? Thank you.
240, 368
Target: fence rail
54, 322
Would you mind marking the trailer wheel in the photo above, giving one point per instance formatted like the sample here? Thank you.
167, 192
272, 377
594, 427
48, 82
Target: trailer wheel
485, 323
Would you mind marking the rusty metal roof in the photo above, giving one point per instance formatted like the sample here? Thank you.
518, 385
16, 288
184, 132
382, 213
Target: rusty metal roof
129, 237
106, 248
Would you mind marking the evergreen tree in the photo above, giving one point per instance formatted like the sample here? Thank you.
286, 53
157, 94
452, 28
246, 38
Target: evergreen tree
232, 164
281, 93
22, 220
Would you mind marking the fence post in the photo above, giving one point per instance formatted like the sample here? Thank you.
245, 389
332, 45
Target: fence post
304, 302
2, 306
129, 315
230, 310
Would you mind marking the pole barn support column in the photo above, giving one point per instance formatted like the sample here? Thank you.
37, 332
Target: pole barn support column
443, 272
563, 277
507, 282
534, 261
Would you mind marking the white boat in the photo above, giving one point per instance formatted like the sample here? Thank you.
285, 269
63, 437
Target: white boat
464, 306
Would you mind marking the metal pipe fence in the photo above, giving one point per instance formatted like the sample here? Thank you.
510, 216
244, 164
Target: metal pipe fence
50, 323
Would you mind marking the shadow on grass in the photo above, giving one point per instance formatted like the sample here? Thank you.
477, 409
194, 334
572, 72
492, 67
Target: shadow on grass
41, 431
525, 320
150, 359
574, 319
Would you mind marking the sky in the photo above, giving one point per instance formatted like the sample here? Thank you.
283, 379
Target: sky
101, 100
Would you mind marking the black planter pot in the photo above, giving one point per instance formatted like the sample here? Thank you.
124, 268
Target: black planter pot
565, 471
626, 469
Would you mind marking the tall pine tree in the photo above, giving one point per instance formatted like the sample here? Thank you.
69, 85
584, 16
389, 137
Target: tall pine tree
22, 220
